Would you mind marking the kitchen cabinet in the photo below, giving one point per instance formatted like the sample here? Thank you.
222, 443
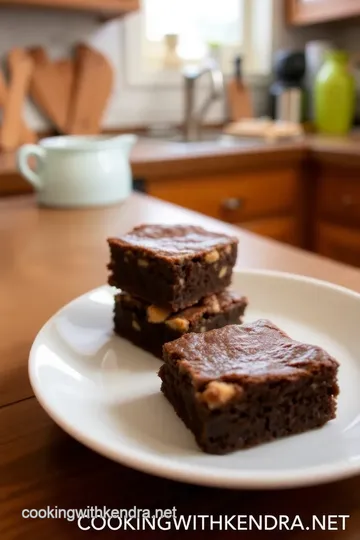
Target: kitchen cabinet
104, 7
305, 12
339, 243
282, 229
309, 198
337, 213
339, 196
265, 201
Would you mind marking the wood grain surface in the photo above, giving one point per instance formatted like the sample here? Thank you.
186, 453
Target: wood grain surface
26, 134
48, 257
20, 66
158, 160
303, 12
116, 7
254, 194
51, 87
91, 93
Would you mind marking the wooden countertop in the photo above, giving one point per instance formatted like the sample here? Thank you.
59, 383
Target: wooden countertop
153, 159
49, 257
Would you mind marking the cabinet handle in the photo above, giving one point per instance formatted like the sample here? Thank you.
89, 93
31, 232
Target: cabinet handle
232, 203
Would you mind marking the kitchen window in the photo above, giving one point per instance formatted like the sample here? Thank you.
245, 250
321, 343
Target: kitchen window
168, 34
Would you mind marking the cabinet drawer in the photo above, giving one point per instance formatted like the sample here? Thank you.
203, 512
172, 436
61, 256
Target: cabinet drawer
283, 229
338, 243
233, 198
339, 198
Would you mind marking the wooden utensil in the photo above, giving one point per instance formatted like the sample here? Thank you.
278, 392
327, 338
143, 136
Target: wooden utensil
20, 68
26, 134
239, 97
66, 72
39, 55
93, 85
51, 87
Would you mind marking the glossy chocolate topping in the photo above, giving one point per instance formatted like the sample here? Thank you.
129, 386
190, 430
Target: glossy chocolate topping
173, 241
241, 353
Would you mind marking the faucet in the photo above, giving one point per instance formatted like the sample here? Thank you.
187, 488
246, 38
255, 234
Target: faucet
193, 120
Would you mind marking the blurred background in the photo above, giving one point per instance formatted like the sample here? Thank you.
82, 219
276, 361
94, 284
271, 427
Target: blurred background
149, 42
246, 110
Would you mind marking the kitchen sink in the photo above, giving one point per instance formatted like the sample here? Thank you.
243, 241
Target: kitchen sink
221, 140
208, 138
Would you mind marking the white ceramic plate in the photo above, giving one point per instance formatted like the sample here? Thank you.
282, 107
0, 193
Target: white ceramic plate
105, 392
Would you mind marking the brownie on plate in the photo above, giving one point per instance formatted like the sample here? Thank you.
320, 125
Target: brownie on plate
172, 266
150, 327
243, 385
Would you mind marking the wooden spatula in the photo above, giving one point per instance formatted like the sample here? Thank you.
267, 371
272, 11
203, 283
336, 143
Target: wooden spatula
26, 134
51, 87
20, 68
92, 90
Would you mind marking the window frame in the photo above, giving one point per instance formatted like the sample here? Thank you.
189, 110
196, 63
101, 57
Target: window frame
137, 67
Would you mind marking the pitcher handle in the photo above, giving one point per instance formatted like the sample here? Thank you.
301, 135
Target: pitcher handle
23, 154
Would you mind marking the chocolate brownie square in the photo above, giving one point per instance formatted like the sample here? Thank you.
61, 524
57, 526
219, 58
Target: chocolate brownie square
243, 385
150, 327
172, 266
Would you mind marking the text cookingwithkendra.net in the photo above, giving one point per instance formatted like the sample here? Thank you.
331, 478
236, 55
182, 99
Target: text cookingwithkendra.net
138, 519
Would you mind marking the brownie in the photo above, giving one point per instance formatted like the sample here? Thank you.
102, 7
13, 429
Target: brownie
172, 266
243, 385
150, 327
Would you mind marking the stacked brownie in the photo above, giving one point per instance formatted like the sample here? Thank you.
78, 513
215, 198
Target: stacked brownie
173, 280
233, 385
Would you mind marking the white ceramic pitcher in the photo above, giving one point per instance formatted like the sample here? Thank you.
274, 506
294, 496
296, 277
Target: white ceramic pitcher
77, 171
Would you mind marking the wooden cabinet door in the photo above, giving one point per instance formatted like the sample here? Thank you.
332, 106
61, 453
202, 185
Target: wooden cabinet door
339, 197
265, 203
233, 197
101, 6
302, 12
282, 229
339, 243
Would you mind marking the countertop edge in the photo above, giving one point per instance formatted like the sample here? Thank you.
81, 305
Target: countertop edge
166, 160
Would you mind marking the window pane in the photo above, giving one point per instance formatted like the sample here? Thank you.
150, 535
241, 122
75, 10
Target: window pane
205, 20
163, 17
218, 21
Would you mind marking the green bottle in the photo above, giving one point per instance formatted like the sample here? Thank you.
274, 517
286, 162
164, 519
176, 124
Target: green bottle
334, 95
